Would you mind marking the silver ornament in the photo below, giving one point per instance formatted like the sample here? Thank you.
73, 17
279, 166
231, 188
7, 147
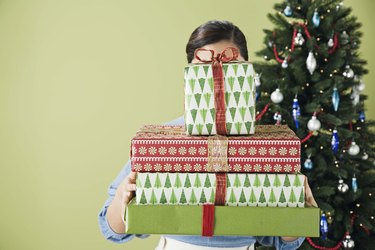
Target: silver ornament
360, 86
353, 149
342, 187
330, 43
364, 156
348, 72
313, 124
257, 80
299, 40
355, 96
348, 243
284, 65
311, 62
277, 96
345, 37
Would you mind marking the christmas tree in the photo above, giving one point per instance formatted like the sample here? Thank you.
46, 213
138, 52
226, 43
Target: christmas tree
311, 80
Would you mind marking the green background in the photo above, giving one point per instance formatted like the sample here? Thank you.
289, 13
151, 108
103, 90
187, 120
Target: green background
77, 79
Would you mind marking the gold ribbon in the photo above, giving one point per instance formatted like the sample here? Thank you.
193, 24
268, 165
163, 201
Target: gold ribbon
217, 154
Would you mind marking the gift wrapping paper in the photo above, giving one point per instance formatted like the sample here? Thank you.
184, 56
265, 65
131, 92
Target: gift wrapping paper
273, 148
228, 220
239, 88
274, 190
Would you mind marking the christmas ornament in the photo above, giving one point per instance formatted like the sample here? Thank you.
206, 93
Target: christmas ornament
353, 149
348, 72
344, 37
284, 65
364, 156
296, 112
360, 86
330, 43
257, 86
354, 184
323, 226
355, 97
335, 142
277, 96
299, 40
311, 62
348, 243
313, 124
335, 99
308, 164
342, 187
316, 19
277, 117
362, 116
288, 11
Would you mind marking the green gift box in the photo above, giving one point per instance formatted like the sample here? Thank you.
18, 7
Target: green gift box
241, 189
245, 221
239, 88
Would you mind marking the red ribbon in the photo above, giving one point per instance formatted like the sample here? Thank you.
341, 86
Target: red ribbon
227, 55
221, 189
208, 220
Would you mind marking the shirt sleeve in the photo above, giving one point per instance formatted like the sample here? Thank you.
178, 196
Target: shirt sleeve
281, 244
106, 230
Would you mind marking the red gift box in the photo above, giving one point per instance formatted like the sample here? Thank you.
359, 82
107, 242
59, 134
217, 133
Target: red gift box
273, 148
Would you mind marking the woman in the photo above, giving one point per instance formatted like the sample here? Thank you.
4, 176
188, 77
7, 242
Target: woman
217, 36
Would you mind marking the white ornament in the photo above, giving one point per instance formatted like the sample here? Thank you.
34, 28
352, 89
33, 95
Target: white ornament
311, 62
364, 156
299, 40
360, 86
257, 79
348, 72
330, 43
348, 243
313, 124
353, 149
277, 96
355, 97
284, 65
342, 187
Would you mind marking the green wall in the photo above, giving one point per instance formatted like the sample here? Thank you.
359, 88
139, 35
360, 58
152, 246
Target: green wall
77, 78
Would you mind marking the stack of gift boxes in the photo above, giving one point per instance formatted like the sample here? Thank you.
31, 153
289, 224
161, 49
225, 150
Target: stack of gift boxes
218, 174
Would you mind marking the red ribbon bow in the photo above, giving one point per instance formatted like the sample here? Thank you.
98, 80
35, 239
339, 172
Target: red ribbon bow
227, 55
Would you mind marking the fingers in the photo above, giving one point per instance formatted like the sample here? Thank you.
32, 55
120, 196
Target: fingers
130, 183
132, 176
309, 198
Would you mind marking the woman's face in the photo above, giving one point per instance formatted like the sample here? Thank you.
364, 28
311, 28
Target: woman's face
218, 48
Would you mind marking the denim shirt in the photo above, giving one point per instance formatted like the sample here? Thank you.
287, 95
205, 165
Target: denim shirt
215, 241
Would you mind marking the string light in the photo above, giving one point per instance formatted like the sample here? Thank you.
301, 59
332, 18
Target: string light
358, 205
321, 91
321, 147
369, 194
307, 84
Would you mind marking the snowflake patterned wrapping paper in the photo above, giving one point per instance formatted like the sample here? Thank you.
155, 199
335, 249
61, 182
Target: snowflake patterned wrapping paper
273, 148
239, 93
273, 190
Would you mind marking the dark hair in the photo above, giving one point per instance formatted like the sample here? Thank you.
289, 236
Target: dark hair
215, 31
